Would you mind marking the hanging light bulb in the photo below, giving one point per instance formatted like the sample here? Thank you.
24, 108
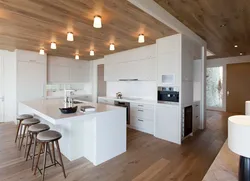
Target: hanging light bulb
53, 45
141, 38
92, 53
77, 57
112, 47
97, 22
70, 36
41, 52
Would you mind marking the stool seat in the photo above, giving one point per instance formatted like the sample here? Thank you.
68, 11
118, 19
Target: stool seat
30, 121
50, 135
37, 128
24, 116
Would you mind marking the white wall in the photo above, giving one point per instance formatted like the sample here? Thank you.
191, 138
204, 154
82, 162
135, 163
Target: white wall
223, 62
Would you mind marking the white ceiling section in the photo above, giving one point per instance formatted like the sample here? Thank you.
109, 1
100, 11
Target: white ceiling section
155, 10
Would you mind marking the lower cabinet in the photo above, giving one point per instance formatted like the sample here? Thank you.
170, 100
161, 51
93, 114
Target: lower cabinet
167, 123
196, 115
142, 124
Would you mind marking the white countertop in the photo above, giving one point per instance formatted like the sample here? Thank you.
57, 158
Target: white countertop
139, 100
49, 108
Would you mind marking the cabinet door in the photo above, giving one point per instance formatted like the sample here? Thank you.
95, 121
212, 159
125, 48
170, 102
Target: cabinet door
31, 79
167, 123
111, 72
58, 73
169, 64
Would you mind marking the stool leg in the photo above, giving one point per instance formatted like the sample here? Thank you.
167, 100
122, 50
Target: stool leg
60, 157
50, 154
24, 132
34, 151
17, 131
26, 144
37, 162
28, 152
44, 160
53, 152
20, 135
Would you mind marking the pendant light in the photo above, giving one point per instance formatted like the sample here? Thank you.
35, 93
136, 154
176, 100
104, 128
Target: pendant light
77, 57
70, 36
41, 52
53, 45
112, 47
97, 22
92, 53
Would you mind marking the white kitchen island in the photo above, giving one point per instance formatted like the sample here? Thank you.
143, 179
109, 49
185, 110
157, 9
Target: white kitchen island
97, 136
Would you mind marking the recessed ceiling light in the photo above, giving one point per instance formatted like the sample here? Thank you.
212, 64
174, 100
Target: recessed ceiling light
223, 25
97, 22
92, 53
70, 36
77, 57
41, 52
53, 45
235, 46
241, 53
112, 47
141, 38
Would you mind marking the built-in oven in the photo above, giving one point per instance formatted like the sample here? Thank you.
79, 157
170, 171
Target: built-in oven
126, 105
168, 94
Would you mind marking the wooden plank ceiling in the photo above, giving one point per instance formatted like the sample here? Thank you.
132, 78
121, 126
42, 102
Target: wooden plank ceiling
222, 23
31, 24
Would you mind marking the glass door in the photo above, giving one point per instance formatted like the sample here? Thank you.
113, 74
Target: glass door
214, 89
1, 90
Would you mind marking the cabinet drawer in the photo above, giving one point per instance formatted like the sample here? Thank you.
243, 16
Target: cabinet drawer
142, 113
141, 106
140, 124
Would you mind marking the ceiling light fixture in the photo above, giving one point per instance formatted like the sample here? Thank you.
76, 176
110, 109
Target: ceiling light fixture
241, 53
92, 53
77, 57
97, 22
41, 52
111, 47
53, 45
141, 38
70, 36
235, 46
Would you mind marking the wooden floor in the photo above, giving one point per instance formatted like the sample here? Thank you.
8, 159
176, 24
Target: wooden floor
147, 158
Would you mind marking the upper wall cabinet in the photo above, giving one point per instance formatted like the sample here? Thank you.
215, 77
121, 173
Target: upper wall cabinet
64, 70
29, 56
144, 70
169, 61
139, 63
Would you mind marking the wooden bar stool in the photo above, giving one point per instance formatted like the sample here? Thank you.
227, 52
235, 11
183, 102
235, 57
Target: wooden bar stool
20, 118
26, 123
32, 132
45, 138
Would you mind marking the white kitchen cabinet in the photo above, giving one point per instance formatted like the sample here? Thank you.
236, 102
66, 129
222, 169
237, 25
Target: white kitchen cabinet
58, 73
29, 56
62, 70
31, 80
167, 123
140, 69
197, 70
142, 124
169, 64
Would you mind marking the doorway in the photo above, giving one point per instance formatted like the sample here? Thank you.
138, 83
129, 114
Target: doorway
101, 84
238, 87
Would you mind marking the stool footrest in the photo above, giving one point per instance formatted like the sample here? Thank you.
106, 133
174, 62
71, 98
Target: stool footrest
54, 164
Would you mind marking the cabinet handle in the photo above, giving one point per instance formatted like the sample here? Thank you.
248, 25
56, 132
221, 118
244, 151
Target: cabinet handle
196, 105
197, 116
140, 105
140, 110
140, 120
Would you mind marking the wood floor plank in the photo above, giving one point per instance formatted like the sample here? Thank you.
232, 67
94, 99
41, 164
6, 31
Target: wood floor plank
147, 158
153, 170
